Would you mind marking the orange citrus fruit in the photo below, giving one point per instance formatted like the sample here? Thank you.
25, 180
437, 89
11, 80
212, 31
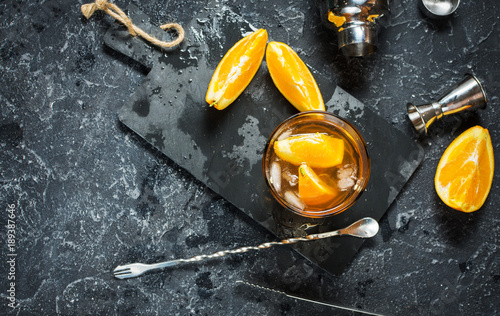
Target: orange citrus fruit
292, 77
465, 171
236, 69
314, 189
316, 149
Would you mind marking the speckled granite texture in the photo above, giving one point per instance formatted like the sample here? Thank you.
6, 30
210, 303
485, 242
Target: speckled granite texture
83, 193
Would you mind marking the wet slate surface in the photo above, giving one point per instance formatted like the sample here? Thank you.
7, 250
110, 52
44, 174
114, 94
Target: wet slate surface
88, 193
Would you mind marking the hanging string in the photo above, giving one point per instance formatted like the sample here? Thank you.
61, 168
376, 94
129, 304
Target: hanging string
134, 30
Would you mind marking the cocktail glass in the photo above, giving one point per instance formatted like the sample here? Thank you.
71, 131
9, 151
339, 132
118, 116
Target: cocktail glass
349, 178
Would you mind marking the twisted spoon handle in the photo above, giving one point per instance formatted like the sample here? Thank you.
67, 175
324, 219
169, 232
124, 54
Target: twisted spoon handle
364, 228
222, 253
265, 245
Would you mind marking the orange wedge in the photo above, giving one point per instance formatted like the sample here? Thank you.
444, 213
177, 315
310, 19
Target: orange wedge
314, 189
292, 77
316, 149
465, 171
236, 69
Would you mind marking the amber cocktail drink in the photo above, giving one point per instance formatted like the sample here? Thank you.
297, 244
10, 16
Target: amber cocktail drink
316, 164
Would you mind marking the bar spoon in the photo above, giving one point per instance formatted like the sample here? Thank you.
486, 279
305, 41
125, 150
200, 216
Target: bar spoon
364, 228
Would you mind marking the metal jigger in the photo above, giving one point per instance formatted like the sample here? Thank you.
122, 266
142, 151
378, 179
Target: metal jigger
466, 95
436, 9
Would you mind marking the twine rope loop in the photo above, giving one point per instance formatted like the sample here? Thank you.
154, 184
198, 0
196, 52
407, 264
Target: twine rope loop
117, 13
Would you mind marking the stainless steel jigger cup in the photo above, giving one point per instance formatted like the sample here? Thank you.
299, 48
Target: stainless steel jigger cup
438, 8
357, 24
465, 96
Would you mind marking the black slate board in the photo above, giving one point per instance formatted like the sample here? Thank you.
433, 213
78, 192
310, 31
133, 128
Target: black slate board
223, 149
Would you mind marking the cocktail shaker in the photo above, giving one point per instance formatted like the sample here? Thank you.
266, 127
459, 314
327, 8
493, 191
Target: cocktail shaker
466, 95
356, 22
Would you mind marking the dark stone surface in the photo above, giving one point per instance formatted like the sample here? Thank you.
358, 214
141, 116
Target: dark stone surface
88, 194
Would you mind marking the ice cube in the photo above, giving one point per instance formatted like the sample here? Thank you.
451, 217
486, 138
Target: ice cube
346, 176
275, 176
294, 200
345, 184
345, 172
292, 179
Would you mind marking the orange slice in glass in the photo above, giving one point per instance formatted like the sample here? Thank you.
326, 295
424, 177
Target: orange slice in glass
236, 69
465, 172
292, 77
314, 189
315, 149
